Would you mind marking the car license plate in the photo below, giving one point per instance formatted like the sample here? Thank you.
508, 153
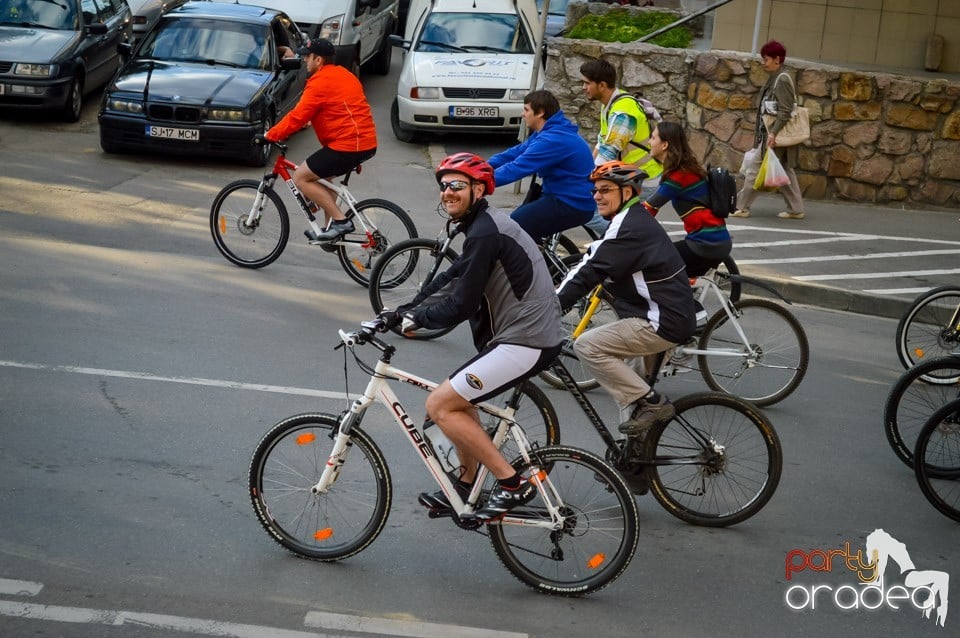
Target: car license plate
185, 134
474, 111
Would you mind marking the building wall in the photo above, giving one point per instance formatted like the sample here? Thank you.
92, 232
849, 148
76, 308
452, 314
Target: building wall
891, 33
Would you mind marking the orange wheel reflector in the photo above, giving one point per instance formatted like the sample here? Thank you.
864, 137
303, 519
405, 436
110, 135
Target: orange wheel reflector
596, 560
538, 477
223, 224
918, 352
360, 267
306, 439
323, 534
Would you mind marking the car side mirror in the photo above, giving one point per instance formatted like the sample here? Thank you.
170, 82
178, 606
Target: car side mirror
289, 64
397, 41
125, 49
96, 28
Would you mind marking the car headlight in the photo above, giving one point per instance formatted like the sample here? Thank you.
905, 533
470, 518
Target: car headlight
227, 115
124, 106
425, 93
330, 29
35, 70
518, 94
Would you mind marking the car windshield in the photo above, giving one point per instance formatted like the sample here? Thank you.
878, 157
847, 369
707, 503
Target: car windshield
43, 14
557, 7
209, 41
469, 32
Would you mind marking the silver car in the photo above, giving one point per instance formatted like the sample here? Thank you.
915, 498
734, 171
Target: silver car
147, 12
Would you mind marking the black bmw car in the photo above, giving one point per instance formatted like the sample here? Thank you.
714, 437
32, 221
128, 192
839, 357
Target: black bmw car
205, 81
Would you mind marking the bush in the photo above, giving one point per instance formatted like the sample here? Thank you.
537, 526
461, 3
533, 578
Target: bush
624, 26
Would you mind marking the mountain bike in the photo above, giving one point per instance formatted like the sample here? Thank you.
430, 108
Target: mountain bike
913, 399
717, 462
938, 460
753, 348
930, 328
250, 224
321, 487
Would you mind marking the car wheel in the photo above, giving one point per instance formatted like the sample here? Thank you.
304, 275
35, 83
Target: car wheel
355, 65
402, 134
381, 62
74, 101
260, 153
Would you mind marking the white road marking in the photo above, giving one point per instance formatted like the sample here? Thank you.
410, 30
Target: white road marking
146, 376
392, 627
19, 587
878, 275
897, 291
848, 257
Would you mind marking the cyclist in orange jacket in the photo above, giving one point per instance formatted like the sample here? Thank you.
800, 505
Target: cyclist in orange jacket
334, 103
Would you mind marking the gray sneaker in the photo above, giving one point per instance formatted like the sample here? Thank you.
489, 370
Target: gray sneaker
337, 228
647, 414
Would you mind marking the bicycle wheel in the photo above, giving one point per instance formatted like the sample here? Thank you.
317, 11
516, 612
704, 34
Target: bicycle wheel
774, 364
533, 412
716, 463
384, 223
938, 447
402, 271
930, 329
244, 243
327, 527
912, 400
598, 536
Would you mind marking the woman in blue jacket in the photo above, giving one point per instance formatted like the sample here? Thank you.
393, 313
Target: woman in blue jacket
563, 160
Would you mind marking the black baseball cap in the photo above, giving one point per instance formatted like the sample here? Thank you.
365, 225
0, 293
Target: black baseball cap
318, 46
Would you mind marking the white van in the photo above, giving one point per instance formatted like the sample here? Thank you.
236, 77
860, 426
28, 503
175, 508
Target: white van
467, 66
359, 29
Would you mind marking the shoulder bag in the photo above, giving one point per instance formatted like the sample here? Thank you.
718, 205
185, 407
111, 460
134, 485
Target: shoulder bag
797, 129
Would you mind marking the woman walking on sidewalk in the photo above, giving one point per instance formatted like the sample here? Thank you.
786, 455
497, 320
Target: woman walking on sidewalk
778, 98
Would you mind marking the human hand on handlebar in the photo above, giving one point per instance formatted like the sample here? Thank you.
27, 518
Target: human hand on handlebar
390, 318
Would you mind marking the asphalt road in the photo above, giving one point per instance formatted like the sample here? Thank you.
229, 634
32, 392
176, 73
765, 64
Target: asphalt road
133, 361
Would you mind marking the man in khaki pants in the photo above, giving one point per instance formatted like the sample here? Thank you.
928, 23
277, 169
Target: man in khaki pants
639, 265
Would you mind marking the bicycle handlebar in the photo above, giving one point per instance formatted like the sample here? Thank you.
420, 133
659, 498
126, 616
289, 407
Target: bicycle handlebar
366, 334
259, 139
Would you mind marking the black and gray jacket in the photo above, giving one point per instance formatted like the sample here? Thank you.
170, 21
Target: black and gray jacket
637, 263
500, 283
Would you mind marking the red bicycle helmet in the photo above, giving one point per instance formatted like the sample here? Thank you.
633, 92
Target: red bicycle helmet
473, 166
619, 173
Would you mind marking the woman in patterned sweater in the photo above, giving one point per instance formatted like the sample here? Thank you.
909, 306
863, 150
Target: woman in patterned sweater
684, 184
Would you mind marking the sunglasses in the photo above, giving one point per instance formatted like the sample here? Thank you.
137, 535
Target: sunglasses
602, 191
456, 186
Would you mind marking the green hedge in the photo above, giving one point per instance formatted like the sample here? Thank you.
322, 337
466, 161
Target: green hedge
625, 26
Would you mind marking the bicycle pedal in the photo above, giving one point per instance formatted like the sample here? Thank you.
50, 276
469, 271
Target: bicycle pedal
439, 512
432, 503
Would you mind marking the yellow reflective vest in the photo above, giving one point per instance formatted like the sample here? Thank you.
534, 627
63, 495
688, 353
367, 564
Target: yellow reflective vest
638, 150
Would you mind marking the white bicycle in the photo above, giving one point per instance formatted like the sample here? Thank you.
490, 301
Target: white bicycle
321, 487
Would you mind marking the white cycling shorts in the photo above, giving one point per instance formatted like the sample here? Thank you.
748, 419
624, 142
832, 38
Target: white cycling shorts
501, 367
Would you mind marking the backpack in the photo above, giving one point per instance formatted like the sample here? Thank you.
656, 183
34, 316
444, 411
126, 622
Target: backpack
723, 191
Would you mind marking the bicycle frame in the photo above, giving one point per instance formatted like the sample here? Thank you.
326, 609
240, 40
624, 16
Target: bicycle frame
283, 168
378, 390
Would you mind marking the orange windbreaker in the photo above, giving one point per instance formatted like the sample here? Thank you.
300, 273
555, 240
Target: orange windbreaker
334, 103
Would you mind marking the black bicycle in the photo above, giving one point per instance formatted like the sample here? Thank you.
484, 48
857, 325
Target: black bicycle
938, 455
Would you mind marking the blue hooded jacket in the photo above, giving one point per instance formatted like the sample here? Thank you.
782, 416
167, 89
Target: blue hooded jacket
559, 155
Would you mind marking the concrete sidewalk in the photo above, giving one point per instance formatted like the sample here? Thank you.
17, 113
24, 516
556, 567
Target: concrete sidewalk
845, 256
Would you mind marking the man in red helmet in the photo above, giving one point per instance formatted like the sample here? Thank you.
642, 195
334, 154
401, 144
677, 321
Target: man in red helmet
501, 284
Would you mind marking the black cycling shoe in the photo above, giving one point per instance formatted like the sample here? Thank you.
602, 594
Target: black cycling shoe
502, 500
439, 501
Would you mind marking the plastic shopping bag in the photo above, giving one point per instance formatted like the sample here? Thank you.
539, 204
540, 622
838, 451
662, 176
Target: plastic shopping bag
751, 162
758, 183
776, 175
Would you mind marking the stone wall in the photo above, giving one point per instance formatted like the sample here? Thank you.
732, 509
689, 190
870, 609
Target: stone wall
875, 137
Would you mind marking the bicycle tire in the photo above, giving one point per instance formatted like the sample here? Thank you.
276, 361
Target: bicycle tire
289, 460
597, 540
584, 379
402, 271
749, 465
780, 347
924, 333
255, 246
359, 250
912, 400
938, 447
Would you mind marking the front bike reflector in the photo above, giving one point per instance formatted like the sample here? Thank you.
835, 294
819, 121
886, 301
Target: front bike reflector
323, 534
306, 439
596, 560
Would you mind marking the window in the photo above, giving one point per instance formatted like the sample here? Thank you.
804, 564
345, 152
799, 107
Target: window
488, 32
